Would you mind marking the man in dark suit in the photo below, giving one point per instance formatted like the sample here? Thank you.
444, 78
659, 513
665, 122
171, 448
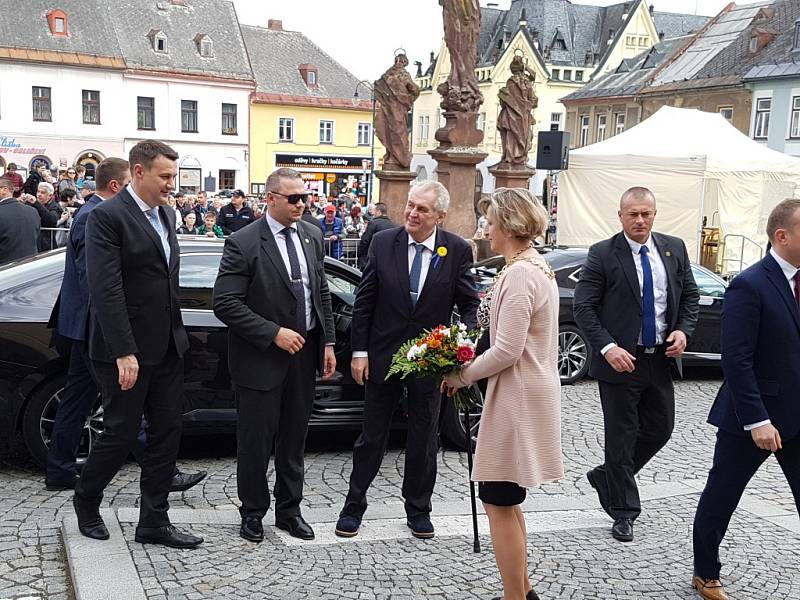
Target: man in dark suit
136, 343
414, 277
637, 304
379, 222
273, 295
757, 409
19, 225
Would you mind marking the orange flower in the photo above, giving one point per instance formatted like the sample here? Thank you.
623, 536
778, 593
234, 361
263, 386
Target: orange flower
434, 343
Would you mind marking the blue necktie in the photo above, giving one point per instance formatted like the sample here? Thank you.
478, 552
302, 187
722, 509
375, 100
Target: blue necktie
155, 221
416, 272
648, 301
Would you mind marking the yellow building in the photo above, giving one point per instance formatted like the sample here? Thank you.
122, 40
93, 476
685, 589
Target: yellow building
564, 44
305, 115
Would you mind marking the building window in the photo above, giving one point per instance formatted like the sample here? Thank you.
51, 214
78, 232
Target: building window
578, 75
584, 130
285, 129
763, 107
326, 132
424, 127
91, 107
556, 73
364, 134
630, 40
145, 112
642, 42
61, 25
205, 45
189, 116
229, 126
567, 75
312, 78
794, 130
726, 111
601, 128
41, 104
481, 124
160, 43
754, 44
796, 44
57, 21
227, 179
555, 121
619, 123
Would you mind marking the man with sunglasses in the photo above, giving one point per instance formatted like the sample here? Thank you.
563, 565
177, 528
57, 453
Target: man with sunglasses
272, 294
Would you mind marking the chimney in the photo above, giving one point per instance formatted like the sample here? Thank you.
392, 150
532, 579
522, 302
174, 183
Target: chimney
652, 9
433, 56
275, 25
523, 19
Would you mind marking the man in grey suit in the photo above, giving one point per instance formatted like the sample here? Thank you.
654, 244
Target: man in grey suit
272, 294
19, 225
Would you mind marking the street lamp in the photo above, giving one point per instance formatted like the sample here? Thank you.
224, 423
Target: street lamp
356, 101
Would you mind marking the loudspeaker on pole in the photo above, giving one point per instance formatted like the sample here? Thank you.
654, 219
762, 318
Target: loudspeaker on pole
552, 150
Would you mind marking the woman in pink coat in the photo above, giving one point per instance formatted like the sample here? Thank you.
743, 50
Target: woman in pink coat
519, 441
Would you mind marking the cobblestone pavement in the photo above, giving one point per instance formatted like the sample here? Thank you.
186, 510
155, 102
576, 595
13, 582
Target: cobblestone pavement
760, 557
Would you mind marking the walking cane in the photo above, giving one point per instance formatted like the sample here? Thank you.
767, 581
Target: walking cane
476, 544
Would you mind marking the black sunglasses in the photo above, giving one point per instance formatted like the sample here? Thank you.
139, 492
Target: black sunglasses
292, 198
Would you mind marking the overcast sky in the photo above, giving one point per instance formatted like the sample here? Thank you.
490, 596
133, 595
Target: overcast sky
363, 34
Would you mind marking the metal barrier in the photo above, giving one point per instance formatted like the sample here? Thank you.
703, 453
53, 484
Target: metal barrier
738, 263
344, 249
57, 236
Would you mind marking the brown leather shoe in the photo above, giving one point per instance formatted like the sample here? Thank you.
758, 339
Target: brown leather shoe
709, 589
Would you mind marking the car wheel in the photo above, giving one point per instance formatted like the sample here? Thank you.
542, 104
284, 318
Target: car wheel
573, 354
454, 425
39, 417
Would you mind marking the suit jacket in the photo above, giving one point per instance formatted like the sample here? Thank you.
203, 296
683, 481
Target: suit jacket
19, 230
253, 297
377, 224
383, 316
134, 307
760, 353
608, 302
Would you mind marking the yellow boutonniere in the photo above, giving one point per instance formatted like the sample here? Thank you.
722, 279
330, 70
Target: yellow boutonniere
441, 251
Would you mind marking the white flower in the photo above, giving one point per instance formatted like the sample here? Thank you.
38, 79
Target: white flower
462, 327
446, 332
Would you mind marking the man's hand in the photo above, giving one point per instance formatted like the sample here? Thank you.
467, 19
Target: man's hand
289, 340
128, 368
677, 343
767, 437
330, 363
620, 360
359, 367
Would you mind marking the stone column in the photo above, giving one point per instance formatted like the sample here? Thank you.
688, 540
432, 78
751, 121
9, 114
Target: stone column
511, 178
456, 172
394, 191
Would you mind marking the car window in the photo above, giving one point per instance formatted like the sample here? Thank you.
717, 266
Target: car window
340, 285
199, 271
707, 283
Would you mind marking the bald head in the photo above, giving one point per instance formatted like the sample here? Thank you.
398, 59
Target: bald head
636, 195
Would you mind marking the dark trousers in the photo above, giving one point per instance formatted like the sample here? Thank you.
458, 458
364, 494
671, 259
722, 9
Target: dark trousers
638, 418
736, 460
380, 402
157, 395
280, 415
77, 400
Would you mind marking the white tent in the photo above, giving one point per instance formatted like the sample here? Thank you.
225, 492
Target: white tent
697, 164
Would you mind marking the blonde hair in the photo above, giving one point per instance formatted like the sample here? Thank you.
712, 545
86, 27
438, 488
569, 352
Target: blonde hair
516, 211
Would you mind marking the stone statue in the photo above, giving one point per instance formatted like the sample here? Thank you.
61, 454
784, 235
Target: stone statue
515, 122
462, 27
395, 93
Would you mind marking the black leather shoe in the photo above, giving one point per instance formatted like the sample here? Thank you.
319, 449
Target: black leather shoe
60, 486
602, 491
90, 523
420, 526
251, 529
184, 481
297, 527
168, 535
623, 530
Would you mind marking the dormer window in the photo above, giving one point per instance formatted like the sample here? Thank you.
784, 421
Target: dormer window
754, 44
57, 21
159, 40
796, 43
205, 45
310, 75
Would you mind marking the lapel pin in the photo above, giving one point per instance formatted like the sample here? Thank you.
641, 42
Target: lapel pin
669, 253
307, 242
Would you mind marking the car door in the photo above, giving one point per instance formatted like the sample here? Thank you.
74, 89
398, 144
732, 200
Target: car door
706, 338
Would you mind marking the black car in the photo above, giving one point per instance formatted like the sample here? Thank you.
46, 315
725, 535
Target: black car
574, 351
32, 374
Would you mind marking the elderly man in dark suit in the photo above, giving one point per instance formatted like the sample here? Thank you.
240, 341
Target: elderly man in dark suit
757, 409
136, 343
415, 275
273, 295
19, 225
637, 303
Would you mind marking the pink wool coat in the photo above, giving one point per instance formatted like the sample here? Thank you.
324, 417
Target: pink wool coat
519, 439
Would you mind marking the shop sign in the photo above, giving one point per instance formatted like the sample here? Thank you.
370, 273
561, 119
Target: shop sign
310, 161
189, 177
330, 177
312, 176
10, 145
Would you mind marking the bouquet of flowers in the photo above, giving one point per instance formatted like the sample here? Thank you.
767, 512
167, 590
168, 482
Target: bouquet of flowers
436, 353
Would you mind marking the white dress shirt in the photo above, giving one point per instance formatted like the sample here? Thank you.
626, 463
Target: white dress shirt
299, 239
789, 271
660, 287
427, 256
